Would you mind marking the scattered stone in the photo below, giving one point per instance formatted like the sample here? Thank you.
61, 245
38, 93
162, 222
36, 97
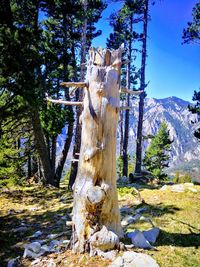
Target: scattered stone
133, 259
33, 250
140, 210
33, 209
104, 240
51, 263
20, 229
126, 209
188, 184
138, 240
53, 244
179, 188
109, 255
123, 180
130, 219
164, 187
146, 219
152, 234
37, 234
192, 189
13, 262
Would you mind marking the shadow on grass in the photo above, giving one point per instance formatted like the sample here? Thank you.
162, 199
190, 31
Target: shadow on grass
47, 220
178, 239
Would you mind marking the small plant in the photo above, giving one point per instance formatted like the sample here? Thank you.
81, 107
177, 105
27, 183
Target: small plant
180, 179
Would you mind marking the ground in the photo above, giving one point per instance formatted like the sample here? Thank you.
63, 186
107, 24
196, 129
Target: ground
46, 209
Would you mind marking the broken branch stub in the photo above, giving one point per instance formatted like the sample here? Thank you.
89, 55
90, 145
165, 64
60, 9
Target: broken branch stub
95, 208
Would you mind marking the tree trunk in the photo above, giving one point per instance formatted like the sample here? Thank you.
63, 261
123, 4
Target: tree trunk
42, 148
53, 153
96, 217
126, 123
65, 151
79, 97
138, 165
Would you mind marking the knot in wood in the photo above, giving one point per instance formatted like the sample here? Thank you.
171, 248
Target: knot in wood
95, 195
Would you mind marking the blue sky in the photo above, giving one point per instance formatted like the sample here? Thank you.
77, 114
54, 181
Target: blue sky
173, 69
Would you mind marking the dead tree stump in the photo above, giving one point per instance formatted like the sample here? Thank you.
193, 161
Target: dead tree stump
96, 217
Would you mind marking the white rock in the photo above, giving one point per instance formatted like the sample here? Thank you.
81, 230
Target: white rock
119, 261
20, 229
130, 219
139, 260
179, 188
51, 263
33, 209
138, 240
37, 234
133, 259
13, 262
188, 184
151, 235
164, 187
141, 210
33, 250
109, 255
192, 189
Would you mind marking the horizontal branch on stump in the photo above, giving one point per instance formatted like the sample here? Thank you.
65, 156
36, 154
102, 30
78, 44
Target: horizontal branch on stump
66, 103
127, 91
74, 84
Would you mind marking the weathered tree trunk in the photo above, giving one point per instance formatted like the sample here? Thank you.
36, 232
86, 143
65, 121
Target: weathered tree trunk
96, 217
138, 165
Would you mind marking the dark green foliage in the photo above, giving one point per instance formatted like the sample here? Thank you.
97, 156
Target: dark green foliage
156, 157
196, 110
192, 33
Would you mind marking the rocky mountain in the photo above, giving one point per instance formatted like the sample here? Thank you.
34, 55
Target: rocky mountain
174, 111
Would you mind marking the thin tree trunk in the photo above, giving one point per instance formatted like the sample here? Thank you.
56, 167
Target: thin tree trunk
96, 217
65, 151
42, 148
121, 133
138, 165
79, 97
61, 162
53, 153
126, 123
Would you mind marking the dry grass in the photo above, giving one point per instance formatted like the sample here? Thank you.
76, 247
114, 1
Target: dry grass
177, 215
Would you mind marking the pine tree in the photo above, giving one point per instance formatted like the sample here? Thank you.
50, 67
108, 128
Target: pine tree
138, 164
192, 33
123, 26
156, 156
196, 110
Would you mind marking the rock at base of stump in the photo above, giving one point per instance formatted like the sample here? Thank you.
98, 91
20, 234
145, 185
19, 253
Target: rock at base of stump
133, 259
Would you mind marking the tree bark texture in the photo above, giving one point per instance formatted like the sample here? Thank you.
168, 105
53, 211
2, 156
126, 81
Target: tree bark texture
126, 123
138, 165
96, 217
42, 148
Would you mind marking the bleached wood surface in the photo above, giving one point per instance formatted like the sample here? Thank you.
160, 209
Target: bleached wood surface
96, 217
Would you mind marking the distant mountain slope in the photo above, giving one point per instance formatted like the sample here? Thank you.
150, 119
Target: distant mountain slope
174, 111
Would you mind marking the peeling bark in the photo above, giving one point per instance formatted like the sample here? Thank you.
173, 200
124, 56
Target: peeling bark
96, 217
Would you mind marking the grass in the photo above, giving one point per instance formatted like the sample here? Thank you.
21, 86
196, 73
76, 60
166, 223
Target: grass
176, 214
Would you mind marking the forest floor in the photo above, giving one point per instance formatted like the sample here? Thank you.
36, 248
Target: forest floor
26, 210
